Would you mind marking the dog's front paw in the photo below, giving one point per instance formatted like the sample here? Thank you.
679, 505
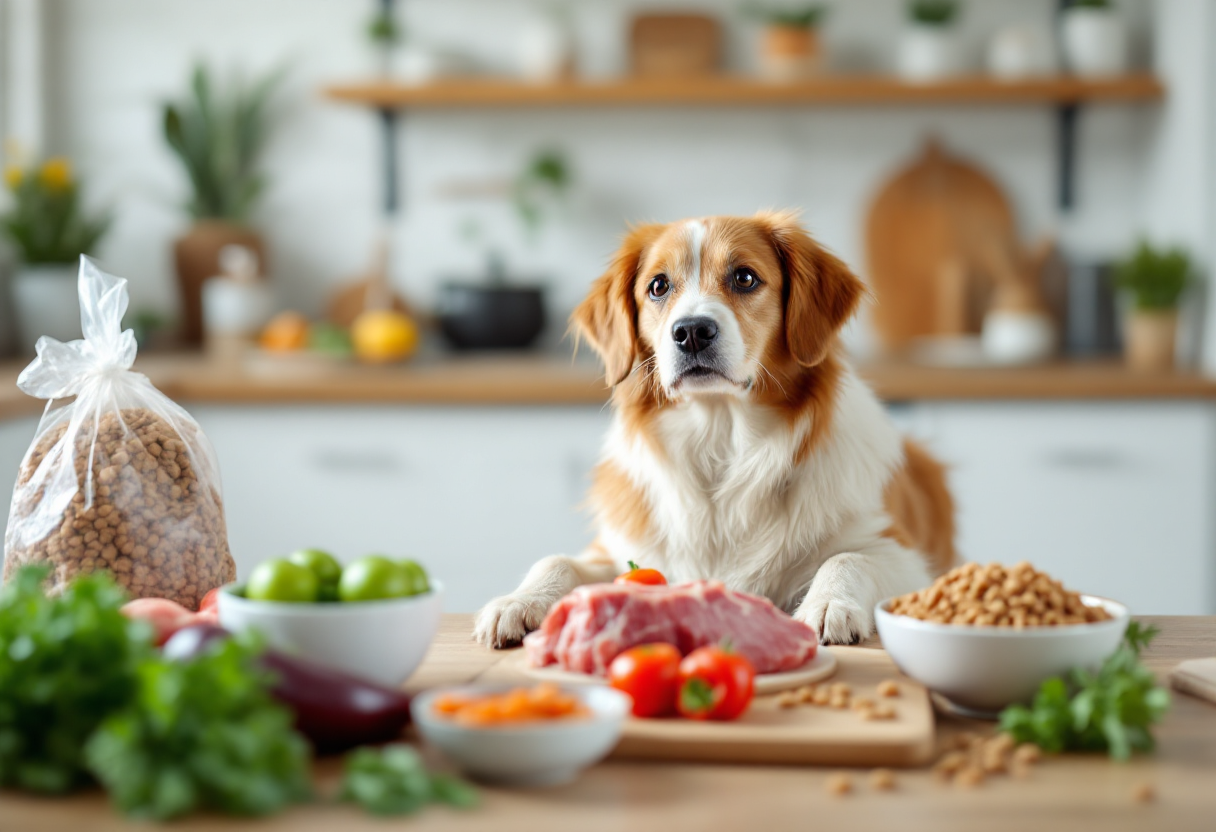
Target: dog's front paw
836, 620
505, 621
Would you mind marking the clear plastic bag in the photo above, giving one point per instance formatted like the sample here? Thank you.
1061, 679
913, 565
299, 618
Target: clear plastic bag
118, 478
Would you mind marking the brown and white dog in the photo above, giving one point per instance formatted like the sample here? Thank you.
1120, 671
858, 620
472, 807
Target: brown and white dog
743, 447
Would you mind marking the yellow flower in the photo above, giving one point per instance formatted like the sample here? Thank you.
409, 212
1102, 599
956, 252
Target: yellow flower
56, 173
13, 176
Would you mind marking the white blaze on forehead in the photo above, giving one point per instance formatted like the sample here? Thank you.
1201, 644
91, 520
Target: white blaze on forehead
695, 231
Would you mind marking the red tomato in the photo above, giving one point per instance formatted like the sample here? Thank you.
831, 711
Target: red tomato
210, 601
638, 575
165, 616
715, 683
650, 673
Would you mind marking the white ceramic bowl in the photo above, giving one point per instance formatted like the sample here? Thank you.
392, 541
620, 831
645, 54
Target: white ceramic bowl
542, 753
980, 670
381, 641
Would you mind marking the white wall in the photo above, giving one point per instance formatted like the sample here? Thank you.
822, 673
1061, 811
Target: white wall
116, 58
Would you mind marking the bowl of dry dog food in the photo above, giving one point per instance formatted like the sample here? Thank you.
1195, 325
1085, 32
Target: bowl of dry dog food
984, 637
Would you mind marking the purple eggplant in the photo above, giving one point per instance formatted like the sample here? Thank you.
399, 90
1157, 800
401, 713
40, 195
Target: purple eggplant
334, 710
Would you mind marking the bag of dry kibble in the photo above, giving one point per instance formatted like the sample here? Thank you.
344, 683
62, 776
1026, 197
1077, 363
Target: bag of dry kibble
118, 477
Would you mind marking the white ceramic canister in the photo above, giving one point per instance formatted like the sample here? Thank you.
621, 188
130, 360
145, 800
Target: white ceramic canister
1095, 41
927, 53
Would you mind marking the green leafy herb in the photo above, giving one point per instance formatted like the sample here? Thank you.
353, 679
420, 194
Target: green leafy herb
394, 781
66, 663
202, 735
1111, 710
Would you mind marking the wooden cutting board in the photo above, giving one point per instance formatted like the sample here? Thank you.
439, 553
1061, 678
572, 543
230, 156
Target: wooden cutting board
919, 235
805, 735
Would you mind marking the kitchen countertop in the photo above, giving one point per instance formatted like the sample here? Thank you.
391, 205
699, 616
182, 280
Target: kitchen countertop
1068, 792
547, 379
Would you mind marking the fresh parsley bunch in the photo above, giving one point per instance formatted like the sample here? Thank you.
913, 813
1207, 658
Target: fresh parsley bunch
1111, 710
202, 735
394, 781
66, 663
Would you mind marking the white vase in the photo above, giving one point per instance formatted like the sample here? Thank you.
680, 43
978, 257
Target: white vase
45, 302
1095, 42
545, 50
927, 53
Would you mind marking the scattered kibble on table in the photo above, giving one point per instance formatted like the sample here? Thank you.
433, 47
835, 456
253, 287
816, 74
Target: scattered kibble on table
839, 784
971, 758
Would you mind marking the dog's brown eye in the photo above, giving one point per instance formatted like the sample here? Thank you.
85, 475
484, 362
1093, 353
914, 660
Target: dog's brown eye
745, 280
659, 287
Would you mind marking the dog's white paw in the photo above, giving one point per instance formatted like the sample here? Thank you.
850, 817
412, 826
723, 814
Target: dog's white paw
837, 620
506, 620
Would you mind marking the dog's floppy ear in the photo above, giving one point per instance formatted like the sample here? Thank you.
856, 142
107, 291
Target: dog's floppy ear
608, 317
821, 293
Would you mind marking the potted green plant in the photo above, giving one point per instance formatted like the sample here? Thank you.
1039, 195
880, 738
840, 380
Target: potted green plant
1152, 281
49, 228
218, 136
928, 50
384, 34
790, 45
1094, 38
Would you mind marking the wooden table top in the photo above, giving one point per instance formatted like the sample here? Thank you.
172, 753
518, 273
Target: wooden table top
549, 379
1070, 792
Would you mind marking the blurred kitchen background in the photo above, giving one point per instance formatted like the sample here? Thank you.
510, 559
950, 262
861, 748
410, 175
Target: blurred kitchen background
354, 229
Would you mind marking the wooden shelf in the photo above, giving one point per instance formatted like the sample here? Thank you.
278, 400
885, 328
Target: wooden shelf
737, 91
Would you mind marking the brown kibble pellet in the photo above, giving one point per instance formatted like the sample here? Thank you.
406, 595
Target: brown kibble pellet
1144, 793
950, 762
821, 697
839, 702
840, 689
993, 596
1027, 754
862, 704
881, 711
882, 779
150, 522
839, 784
887, 688
968, 777
787, 700
807, 694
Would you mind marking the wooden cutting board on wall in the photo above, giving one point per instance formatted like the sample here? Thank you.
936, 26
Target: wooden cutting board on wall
919, 235
804, 735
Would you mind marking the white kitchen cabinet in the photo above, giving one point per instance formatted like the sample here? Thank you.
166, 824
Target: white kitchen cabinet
476, 494
1112, 498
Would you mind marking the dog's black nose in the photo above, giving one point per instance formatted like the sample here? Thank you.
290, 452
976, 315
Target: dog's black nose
694, 334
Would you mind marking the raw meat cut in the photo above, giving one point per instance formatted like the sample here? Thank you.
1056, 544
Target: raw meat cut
588, 628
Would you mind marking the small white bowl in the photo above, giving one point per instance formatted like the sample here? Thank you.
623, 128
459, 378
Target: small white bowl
541, 753
980, 670
381, 641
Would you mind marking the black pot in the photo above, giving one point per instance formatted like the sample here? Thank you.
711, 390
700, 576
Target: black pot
491, 316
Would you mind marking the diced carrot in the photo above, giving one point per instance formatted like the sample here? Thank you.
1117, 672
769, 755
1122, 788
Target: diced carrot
545, 701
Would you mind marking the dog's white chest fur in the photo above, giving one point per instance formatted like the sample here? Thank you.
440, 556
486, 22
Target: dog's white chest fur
728, 501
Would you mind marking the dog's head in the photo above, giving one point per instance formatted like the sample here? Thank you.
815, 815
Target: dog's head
715, 303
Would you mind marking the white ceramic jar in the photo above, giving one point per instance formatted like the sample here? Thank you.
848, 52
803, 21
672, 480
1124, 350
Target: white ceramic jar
1095, 41
927, 53
45, 302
